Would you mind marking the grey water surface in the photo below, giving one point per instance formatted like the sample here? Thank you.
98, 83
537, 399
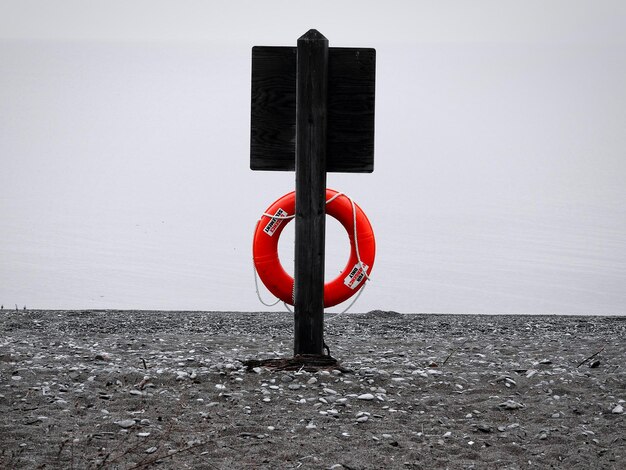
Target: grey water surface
499, 168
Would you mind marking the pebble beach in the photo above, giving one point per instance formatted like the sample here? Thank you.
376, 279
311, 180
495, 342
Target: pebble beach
144, 389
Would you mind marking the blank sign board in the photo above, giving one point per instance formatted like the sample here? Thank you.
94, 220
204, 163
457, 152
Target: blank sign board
350, 107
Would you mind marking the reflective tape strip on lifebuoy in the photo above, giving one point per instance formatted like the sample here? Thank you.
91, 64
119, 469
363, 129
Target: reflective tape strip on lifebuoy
353, 276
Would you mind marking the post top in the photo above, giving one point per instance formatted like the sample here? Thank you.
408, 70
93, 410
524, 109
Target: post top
312, 35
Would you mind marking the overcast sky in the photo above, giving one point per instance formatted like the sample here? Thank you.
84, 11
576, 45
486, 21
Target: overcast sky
349, 22
499, 166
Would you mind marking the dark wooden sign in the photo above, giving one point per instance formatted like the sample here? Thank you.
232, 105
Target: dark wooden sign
350, 109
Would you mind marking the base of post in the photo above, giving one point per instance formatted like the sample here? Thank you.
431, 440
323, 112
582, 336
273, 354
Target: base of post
306, 362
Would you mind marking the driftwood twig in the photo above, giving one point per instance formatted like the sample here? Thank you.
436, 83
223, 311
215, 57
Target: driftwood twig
453, 351
590, 357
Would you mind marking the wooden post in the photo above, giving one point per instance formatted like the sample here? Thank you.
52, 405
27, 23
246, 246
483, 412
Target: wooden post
312, 112
311, 121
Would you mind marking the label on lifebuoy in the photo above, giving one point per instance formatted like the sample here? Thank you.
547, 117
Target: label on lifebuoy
356, 275
275, 222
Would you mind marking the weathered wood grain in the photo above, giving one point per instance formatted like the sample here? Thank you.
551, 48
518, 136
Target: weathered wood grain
351, 98
273, 119
311, 122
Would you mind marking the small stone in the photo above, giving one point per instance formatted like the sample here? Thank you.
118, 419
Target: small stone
136, 392
362, 419
545, 362
294, 386
510, 405
619, 409
257, 370
482, 427
151, 450
366, 396
125, 423
312, 381
594, 364
286, 378
509, 382
543, 436
447, 434
143, 434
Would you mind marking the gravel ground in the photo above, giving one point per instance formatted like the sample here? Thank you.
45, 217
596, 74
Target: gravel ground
142, 389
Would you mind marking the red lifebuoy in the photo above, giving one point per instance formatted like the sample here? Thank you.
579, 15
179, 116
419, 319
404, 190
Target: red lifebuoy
353, 276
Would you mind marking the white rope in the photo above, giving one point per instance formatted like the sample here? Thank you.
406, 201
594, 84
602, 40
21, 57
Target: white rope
256, 285
356, 249
279, 216
356, 241
358, 256
358, 294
